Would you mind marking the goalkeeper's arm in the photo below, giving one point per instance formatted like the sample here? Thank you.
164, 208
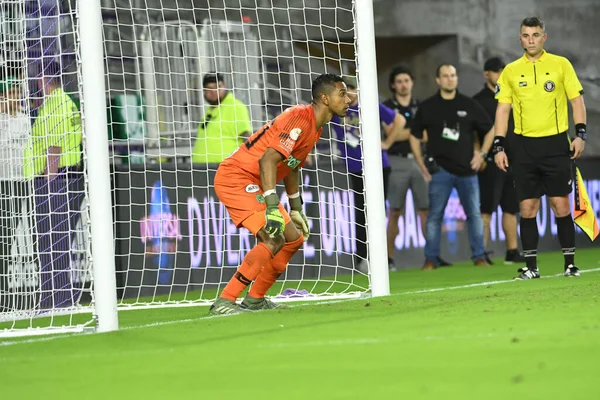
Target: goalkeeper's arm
275, 225
292, 188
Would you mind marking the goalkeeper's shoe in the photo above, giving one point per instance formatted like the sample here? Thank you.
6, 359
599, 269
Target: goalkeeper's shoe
526, 273
571, 270
253, 304
223, 306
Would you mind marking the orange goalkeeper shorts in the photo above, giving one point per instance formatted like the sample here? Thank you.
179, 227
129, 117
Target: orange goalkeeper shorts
243, 198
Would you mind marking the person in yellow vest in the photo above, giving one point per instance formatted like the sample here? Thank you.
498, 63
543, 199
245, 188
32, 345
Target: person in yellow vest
55, 142
226, 123
537, 87
53, 162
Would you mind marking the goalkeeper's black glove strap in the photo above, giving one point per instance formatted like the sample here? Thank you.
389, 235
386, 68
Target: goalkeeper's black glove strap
272, 200
498, 145
581, 131
296, 203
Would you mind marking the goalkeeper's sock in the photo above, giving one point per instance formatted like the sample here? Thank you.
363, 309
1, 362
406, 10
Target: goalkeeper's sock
254, 262
271, 272
566, 237
529, 239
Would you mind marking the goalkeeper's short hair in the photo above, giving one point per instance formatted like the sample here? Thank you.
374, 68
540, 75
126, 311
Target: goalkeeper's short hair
324, 84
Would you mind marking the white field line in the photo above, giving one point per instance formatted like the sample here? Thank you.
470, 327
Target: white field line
180, 321
483, 284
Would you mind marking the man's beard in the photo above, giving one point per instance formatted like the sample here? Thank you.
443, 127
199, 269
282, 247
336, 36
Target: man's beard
212, 103
445, 90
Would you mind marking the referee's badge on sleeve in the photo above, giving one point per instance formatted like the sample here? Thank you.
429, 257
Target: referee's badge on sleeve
497, 88
549, 86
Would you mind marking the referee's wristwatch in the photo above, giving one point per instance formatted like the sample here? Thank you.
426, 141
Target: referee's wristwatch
483, 154
581, 131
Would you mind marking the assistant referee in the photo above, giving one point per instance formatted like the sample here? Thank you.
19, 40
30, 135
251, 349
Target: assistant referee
537, 86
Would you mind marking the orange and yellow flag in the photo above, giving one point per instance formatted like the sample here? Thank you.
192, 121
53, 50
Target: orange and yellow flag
583, 213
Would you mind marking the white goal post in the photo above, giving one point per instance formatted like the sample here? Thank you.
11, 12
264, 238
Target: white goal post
129, 218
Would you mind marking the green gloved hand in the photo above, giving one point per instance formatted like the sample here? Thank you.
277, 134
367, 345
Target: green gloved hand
275, 222
298, 217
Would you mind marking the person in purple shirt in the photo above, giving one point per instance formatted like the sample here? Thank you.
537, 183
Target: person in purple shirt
348, 135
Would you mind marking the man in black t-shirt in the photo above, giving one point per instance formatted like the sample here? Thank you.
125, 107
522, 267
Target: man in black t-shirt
451, 121
495, 186
405, 172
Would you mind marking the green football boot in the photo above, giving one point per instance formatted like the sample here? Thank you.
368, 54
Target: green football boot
253, 304
223, 306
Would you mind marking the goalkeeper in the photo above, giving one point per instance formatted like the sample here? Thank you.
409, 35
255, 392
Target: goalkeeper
245, 183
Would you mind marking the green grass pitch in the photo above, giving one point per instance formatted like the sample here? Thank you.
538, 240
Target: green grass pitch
480, 336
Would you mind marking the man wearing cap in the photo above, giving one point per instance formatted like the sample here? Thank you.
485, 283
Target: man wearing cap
497, 187
226, 123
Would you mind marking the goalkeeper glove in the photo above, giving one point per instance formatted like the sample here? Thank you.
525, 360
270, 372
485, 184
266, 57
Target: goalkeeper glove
298, 217
275, 222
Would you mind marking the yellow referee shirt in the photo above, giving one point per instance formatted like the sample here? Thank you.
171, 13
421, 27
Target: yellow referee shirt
538, 92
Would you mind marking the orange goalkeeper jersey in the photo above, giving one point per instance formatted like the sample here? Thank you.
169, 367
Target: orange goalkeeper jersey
293, 134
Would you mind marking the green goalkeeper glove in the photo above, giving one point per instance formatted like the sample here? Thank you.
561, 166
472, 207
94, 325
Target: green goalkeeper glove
298, 217
275, 222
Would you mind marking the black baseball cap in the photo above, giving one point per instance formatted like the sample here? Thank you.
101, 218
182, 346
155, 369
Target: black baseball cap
493, 64
212, 77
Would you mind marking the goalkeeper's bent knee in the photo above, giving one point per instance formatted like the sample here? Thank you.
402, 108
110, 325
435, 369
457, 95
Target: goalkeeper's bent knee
294, 245
275, 244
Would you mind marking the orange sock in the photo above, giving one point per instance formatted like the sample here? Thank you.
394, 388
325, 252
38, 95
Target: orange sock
271, 271
254, 262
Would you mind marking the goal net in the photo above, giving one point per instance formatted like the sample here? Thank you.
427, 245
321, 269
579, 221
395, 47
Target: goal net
168, 129
45, 262
174, 241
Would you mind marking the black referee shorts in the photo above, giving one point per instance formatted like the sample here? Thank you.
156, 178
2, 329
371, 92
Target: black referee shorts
542, 166
497, 188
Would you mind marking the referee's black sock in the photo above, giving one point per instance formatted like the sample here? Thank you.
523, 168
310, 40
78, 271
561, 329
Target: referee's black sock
529, 240
566, 237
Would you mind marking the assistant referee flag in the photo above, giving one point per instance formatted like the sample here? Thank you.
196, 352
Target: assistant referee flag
583, 213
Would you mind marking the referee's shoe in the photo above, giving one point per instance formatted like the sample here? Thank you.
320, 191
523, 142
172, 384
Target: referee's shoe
571, 270
526, 273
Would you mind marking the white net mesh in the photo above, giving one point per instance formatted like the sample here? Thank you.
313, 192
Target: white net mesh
175, 243
45, 261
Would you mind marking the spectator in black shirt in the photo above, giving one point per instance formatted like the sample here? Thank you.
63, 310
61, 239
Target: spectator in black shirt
451, 121
495, 186
405, 172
